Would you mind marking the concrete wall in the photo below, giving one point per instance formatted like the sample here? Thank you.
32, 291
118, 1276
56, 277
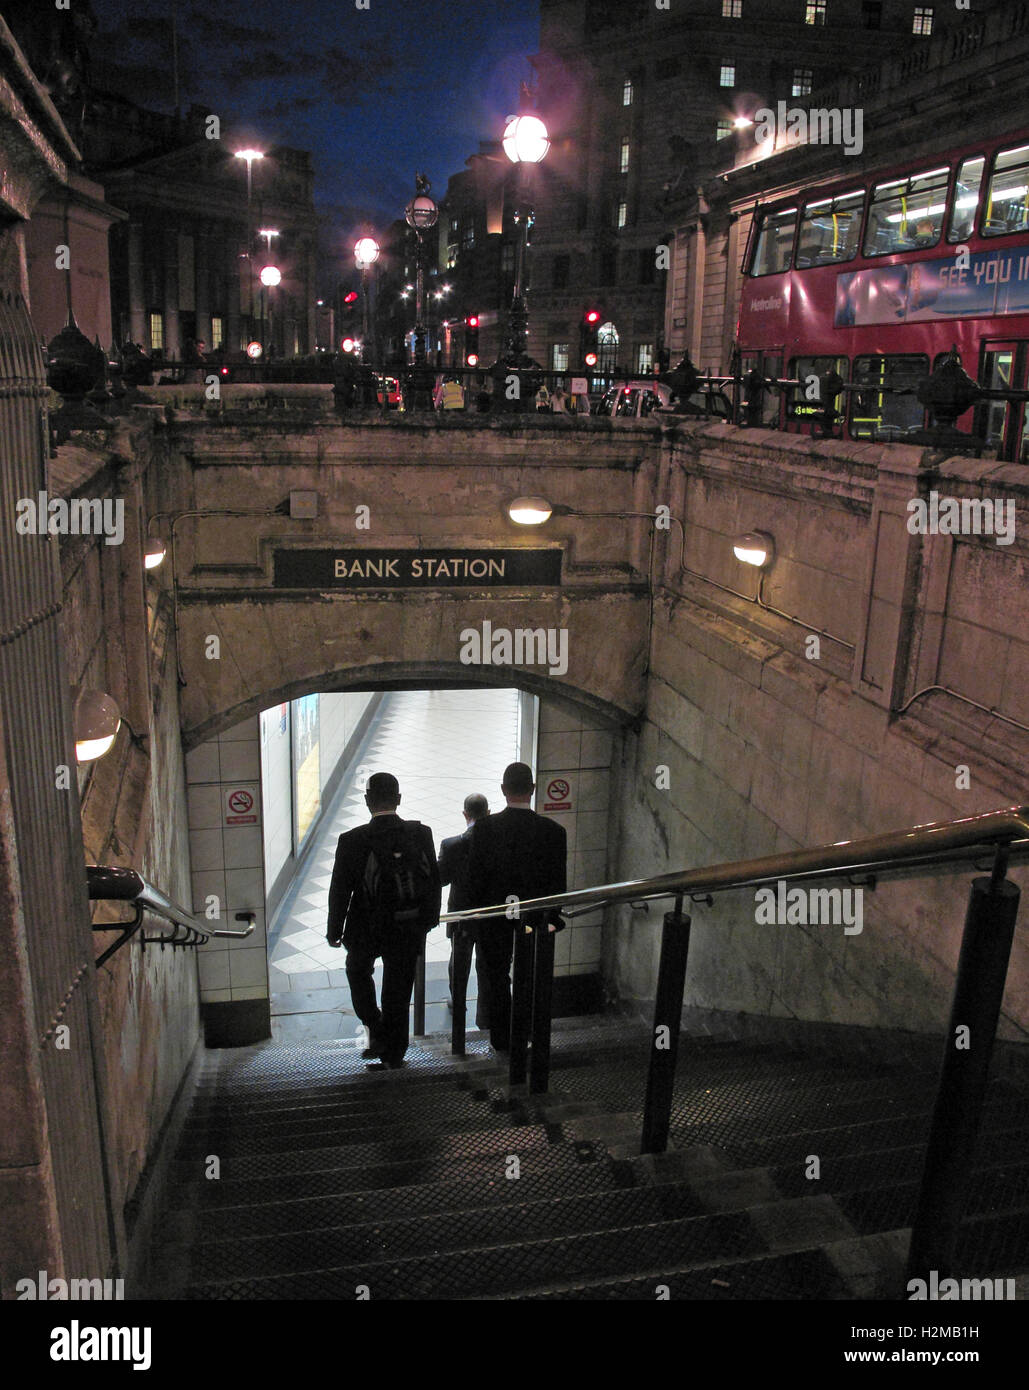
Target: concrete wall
768, 749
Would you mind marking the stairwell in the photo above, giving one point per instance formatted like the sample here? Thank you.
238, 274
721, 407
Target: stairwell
440, 1182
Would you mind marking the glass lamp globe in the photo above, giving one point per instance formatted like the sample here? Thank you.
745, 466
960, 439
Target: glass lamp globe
421, 212
366, 251
271, 275
525, 139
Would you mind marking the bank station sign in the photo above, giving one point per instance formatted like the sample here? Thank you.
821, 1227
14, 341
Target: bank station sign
416, 569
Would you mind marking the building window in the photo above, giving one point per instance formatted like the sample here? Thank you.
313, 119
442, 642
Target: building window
453, 226
648, 266
627, 92
562, 269
623, 163
814, 12
607, 348
559, 357
156, 332
732, 9
872, 14
451, 255
644, 359
468, 236
725, 127
727, 75
623, 213
217, 332
608, 267
507, 260
923, 23
802, 78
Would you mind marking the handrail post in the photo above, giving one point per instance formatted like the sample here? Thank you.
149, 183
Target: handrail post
978, 992
418, 1028
521, 1001
542, 996
664, 1042
461, 962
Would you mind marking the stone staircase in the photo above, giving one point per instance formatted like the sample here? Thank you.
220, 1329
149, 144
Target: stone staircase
439, 1182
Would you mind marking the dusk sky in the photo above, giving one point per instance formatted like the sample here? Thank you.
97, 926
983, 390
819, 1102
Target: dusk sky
374, 94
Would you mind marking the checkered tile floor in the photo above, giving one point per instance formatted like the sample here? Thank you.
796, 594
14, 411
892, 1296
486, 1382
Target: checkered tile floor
441, 745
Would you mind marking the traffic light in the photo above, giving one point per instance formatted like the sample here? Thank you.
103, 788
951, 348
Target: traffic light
471, 340
348, 310
588, 337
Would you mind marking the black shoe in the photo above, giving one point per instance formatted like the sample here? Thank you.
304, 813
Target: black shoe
385, 1064
372, 1051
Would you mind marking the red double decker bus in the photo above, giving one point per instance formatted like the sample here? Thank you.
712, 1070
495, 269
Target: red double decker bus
877, 278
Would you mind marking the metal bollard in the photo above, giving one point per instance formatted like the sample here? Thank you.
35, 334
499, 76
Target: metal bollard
664, 1042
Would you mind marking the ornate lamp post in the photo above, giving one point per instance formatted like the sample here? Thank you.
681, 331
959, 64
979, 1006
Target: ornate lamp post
249, 155
271, 276
421, 214
366, 253
525, 144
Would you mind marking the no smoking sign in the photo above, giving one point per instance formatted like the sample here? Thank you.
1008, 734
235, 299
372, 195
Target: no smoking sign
558, 795
241, 805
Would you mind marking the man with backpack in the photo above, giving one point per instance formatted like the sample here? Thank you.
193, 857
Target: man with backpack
384, 896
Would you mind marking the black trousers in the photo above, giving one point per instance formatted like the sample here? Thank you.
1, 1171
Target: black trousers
459, 968
494, 947
389, 1025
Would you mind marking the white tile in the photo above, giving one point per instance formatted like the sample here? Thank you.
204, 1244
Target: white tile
205, 850
563, 946
587, 868
593, 785
202, 764
249, 992
244, 888
211, 883
293, 965
205, 807
596, 749
245, 729
557, 715
301, 940
214, 968
591, 831
240, 762
585, 945
568, 820
244, 846
248, 968
215, 996
558, 752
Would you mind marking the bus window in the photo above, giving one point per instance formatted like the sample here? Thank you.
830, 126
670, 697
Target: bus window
1007, 201
878, 411
906, 214
805, 402
966, 198
774, 243
829, 230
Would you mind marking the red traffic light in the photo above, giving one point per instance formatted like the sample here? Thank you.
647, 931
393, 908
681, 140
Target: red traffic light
472, 320
591, 359
473, 359
350, 298
348, 344
592, 315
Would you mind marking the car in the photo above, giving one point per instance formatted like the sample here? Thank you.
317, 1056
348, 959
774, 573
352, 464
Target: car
711, 403
634, 398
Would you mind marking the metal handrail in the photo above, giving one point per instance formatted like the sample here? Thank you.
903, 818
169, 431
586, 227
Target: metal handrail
107, 883
917, 847
986, 943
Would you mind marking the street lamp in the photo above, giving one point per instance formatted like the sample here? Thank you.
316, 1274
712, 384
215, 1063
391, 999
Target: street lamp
271, 276
421, 214
249, 155
366, 253
525, 144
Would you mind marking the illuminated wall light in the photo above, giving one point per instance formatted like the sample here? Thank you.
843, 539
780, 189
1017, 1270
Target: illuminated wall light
155, 553
530, 511
755, 548
97, 721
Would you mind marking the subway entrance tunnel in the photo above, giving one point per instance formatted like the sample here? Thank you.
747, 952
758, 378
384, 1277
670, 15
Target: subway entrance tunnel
694, 711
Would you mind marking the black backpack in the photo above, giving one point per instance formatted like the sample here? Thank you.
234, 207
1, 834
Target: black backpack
398, 877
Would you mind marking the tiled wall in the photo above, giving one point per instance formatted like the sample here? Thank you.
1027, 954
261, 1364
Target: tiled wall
227, 862
575, 747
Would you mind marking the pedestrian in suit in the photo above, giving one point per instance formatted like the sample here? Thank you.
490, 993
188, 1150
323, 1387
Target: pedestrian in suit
520, 854
356, 915
453, 869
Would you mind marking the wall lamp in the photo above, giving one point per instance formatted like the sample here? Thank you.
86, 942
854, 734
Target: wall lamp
755, 548
97, 721
155, 552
